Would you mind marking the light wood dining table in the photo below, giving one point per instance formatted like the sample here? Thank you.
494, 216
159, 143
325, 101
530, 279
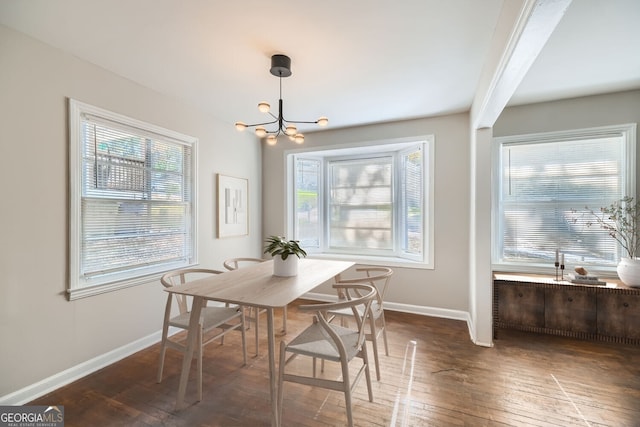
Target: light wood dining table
256, 286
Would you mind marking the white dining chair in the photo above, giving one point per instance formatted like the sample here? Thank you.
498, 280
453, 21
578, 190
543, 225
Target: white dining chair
212, 318
331, 342
379, 277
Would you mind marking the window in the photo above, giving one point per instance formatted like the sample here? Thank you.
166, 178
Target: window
545, 181
372, 203
132, 212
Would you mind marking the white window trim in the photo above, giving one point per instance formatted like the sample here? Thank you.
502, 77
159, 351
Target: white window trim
395, 144
77, 287
627, 130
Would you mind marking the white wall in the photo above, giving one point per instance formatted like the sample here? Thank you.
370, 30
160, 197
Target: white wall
41, 333
575, 113
446, 286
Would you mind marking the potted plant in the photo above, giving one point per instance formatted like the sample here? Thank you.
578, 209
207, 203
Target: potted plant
621, 220
280, 249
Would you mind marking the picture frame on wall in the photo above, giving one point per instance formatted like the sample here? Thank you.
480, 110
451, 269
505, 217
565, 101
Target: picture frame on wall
233, 209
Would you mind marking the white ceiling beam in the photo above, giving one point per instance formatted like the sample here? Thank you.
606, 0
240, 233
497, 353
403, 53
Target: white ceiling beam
522, 31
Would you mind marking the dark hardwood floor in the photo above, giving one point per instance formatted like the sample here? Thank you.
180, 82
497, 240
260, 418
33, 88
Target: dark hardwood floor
524, 380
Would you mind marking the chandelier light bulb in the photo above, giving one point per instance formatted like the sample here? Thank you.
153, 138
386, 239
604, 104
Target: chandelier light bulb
240, 126
271, 140
323, 121
260, 132
291, 130
299, 138
264, 107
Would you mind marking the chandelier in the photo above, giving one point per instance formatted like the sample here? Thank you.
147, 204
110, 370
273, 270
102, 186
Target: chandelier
280, 67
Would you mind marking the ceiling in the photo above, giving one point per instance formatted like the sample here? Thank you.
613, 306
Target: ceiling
356, 62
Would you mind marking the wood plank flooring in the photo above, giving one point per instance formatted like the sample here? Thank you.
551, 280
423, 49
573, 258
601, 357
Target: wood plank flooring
524, 380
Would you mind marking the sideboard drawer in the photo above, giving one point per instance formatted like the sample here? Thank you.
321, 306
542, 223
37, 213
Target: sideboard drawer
619, 315
571, 309
521, 304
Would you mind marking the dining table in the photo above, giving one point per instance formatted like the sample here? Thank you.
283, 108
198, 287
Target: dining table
254, 286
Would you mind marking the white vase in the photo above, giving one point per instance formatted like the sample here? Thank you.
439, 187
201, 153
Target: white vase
285, 268
629, 271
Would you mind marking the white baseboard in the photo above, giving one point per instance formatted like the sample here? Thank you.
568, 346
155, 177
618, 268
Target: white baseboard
404, 308
33, 391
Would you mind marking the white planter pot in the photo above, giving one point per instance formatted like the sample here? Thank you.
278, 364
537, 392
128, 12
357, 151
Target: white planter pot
629, 271
286, 268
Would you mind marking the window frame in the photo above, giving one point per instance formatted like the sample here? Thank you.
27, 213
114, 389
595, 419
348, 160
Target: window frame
628, 175
396, 146
79, 286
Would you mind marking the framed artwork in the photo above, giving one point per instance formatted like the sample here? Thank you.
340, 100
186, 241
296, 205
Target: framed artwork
233, 212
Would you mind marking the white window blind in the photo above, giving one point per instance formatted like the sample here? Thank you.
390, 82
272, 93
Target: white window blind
545, 184
360, 204
412, 193
307, 202
134, 214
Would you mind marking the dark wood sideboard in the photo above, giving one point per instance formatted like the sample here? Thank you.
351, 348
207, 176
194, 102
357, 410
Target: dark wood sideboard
540, 304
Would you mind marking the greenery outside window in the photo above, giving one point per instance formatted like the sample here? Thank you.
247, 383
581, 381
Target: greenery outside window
132, 211
545, 182
370, 202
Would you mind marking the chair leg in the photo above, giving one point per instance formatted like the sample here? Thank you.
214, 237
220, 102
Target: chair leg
346, 385
256, 318
374, 341
281, 365
165, 335
163, 350
367, 373
161, 364
384, 335
244, 337
199, 356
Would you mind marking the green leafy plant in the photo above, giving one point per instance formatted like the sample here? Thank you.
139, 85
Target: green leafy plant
278, 245
621, 220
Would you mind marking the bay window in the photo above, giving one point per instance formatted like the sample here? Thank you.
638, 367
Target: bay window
370, 202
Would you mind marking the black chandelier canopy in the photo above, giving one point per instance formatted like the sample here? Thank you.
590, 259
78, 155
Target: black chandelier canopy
280, 67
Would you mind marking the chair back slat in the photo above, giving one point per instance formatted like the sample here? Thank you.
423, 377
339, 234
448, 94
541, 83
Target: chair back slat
180, 277
235, 263
378, 277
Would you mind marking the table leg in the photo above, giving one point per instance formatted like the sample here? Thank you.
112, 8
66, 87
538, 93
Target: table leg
194, 320
272, 367
283, 331
284, 320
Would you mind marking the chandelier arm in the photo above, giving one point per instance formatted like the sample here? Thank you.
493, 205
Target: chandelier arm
265, 123
294, 121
